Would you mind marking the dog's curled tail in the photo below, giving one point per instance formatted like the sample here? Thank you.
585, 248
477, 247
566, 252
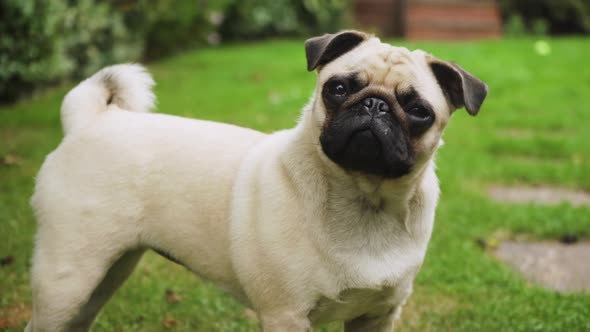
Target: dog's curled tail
129, 86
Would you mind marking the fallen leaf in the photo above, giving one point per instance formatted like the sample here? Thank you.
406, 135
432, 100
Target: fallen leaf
169, 322
14, 315
173, 297
11, 160
4, 323
7, 260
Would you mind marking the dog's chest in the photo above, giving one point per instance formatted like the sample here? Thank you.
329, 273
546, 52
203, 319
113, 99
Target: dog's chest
352, 303
371, 255
375, 285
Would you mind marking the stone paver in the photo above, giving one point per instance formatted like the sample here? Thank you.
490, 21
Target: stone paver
539, 195
562, 267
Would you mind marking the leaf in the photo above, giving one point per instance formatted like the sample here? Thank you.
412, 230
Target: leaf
169, 322
7, 260
173, 297
12, 160
4, 323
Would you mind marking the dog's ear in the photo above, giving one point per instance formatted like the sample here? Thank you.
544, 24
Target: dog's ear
323, 49
462, 88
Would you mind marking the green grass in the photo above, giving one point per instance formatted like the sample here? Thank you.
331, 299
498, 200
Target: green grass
532, 130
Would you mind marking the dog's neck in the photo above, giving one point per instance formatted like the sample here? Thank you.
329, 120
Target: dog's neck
353, 211
369, 193
375, 191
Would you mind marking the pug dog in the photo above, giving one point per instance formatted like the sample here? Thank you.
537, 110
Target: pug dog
327, 221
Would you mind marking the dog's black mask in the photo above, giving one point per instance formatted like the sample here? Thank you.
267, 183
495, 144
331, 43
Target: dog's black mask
370, 130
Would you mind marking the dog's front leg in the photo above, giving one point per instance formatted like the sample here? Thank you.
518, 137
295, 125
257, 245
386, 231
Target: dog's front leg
287, 321
378, 323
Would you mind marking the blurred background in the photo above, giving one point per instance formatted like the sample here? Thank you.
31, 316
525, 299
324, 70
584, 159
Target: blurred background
44, 42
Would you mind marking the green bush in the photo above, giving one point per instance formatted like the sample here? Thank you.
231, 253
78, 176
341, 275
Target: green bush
43, 42
30, 47
247, 19
547, 16
96, 35
514, 26
166, 27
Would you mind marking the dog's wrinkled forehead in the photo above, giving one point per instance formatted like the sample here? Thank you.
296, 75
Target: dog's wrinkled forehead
391, 68
382, 64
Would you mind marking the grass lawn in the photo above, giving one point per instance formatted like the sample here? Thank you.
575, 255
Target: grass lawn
532, 130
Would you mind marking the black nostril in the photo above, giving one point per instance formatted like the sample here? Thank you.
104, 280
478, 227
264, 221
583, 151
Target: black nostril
376, 104
368, 102
383, 107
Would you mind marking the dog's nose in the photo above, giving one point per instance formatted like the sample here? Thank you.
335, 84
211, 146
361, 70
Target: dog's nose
376, 105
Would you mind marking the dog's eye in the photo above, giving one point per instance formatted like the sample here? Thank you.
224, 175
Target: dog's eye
420, 118
338, 88
419, 112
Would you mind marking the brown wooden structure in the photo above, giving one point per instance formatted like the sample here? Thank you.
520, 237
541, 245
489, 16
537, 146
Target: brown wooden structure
430, 19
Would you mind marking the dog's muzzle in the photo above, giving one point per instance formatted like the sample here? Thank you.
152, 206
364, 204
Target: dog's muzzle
368, 137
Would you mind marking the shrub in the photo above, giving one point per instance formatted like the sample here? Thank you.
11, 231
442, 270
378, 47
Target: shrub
30, 48
45, 41
556, 17
166, 27
514, 26
96, 35
42, 42
262, 18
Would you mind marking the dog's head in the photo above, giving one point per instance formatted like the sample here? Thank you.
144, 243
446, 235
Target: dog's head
380, 109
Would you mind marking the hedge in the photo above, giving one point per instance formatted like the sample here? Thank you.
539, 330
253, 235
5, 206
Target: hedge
46, 41
43, 42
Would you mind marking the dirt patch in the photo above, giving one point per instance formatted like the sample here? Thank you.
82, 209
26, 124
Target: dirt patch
562, 267
539, 195
14, 316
